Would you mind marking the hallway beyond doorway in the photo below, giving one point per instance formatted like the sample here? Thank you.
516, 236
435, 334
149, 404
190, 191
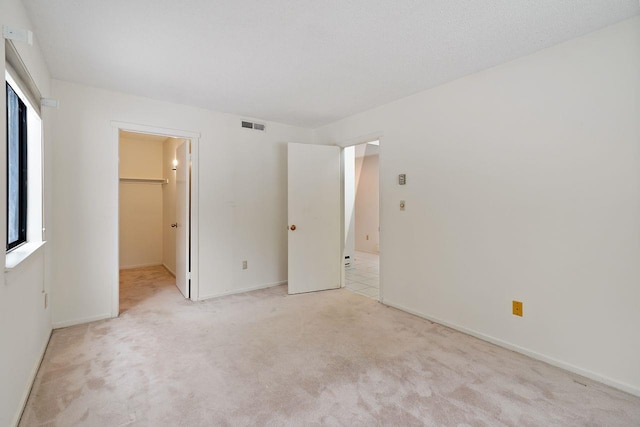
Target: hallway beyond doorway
362, 276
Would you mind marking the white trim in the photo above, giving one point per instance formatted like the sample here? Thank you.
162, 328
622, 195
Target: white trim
381, 146
16, 68
152, 264
176, 133
243, 290
173, 273
631, 389
155, 130
20, 254
195, 229
73, 322
32, 379
362, 139
115, 280
343, 231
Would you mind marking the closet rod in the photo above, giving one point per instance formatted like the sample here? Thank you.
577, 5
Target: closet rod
146, 180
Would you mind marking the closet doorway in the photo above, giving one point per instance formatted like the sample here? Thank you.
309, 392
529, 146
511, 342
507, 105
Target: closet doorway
154, 192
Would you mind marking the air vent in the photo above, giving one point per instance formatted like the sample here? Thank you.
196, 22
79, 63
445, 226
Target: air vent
256, 126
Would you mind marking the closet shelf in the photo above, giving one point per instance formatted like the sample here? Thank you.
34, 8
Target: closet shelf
145, 180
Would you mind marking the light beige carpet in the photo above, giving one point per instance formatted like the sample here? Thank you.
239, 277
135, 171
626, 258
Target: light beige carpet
327, 358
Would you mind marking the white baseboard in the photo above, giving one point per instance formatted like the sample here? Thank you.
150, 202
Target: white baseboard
131, 267
173, 273
631, 389
32, 378
72, 322
367, 252
243, 290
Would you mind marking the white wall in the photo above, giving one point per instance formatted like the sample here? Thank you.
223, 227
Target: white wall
25, 324
169, 204
367, 218
141, 156
242, 197
141, 204
258, 210
523, 182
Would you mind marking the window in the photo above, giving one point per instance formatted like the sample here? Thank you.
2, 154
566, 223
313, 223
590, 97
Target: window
17, 172
24, 149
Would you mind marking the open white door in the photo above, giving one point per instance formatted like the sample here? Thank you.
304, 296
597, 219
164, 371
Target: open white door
183, 216
314, 217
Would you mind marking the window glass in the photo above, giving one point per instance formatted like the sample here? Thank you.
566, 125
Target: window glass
16, 169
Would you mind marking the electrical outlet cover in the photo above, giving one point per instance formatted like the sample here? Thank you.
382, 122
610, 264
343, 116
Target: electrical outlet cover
517, 308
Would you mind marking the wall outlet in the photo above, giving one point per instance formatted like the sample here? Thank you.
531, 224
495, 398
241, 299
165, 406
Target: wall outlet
517, 308
244, 265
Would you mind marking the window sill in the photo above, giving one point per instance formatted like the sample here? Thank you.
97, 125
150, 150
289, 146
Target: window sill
20, 254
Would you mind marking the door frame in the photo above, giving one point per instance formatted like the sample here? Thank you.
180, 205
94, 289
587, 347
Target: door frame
350, 143
160, 131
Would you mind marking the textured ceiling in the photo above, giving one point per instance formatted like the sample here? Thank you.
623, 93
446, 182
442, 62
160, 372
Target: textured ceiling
302, 62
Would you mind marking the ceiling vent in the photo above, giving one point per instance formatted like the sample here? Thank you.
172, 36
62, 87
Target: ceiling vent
255, 126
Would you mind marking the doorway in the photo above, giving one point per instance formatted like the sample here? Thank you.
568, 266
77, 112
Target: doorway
147, 213
157, 209
362, 219
321, 214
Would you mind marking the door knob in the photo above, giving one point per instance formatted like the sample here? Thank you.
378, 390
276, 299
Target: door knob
174, 225
293, 227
